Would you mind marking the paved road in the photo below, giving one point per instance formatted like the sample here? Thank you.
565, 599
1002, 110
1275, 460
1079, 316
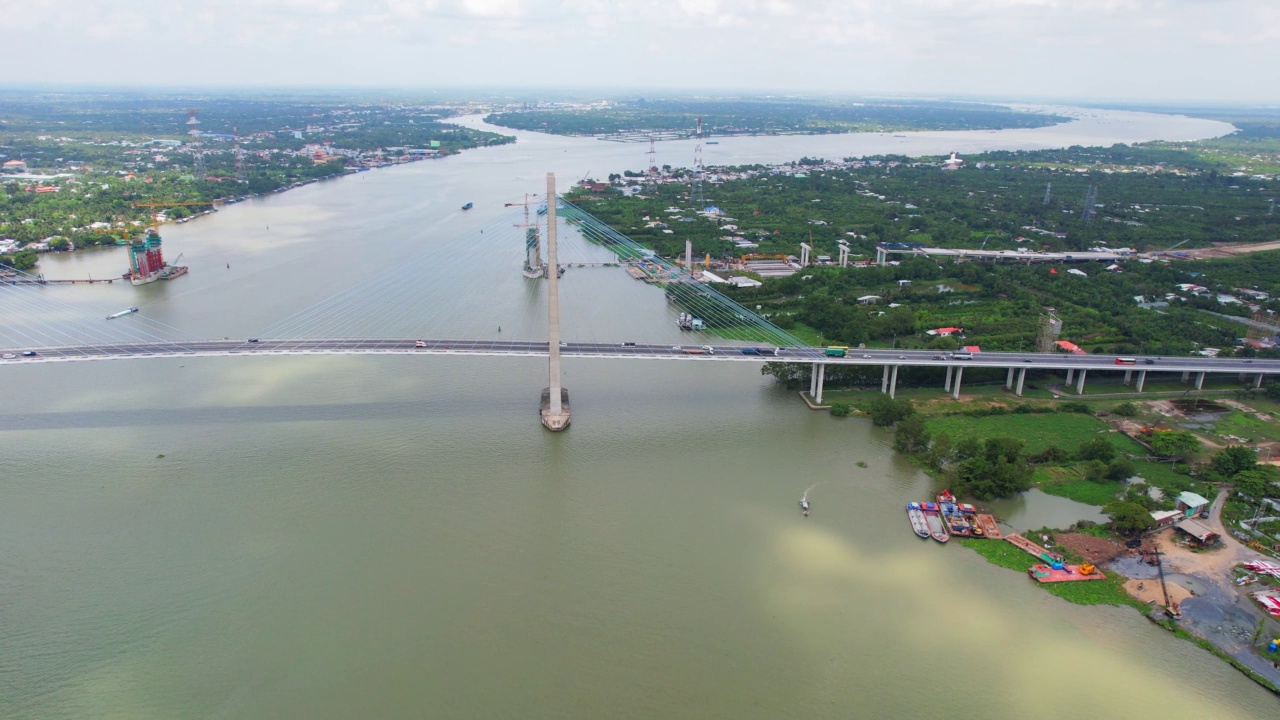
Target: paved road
877, 357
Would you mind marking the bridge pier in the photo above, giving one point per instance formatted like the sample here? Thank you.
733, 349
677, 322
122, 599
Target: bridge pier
893, 382
1142, 379
947, 384
1257, 381
884, 380
1080, 382
1128, 376
813, 380
1186, 375
1200, 380
955, 387
1022, 376
822, 377
1008, 379
1071, 376
555, 398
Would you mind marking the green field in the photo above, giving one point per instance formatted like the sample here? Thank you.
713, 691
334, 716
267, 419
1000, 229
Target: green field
1246, 425
1065, 430
1067, 482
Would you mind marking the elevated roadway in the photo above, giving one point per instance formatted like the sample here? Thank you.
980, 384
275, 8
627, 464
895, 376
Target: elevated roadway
1015, 363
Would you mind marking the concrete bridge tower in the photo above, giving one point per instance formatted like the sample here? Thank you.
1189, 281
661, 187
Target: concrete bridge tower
555, 398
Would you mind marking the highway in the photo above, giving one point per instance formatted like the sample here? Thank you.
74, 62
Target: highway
639, 351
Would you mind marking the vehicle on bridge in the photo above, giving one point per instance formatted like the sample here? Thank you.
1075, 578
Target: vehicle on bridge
420, 343
837, 351
1126, 361
759, 351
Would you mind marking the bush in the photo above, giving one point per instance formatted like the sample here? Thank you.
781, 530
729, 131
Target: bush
1052, 454
1099, 449
1126, 409
840, 409
1075, 407
1122, 468
886, 411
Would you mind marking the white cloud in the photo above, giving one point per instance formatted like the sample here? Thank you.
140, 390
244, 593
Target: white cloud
1174, 49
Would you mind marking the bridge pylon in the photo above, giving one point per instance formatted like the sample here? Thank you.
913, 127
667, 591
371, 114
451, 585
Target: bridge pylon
555, 397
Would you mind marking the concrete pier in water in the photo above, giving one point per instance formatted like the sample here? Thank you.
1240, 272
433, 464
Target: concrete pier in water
555, 398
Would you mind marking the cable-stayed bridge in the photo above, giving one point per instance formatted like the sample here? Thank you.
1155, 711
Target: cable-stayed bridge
446, 299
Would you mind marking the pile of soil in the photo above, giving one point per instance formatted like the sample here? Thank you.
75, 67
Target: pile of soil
1095, 550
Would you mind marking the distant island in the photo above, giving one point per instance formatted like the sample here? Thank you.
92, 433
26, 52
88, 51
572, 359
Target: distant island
637, 120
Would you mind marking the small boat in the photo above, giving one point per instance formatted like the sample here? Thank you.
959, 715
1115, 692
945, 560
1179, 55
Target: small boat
468, 206
713, 142
122, 313
933, 516
918, 522
804, 508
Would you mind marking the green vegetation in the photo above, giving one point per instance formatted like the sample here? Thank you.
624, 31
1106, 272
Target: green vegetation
92, 159
1039, 432
678, 118
1163, 197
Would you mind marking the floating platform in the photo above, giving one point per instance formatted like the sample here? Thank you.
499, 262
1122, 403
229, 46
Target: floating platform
990, 529
1069, 573
1027, 545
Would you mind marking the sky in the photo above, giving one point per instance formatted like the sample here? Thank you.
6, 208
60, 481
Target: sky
1137, 50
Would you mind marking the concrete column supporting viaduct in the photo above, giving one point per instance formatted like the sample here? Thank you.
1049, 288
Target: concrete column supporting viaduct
1186, 376
955, 387
1142, 379
813, 380
884, 380
1080, 382
893, 382
1071, 376
1022, 376
1257, 382
1008, 380
1200, 381
947, 384
822, 376
1128, 376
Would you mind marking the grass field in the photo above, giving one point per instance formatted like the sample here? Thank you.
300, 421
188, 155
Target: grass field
1068, 483
1245, 425
1065, 430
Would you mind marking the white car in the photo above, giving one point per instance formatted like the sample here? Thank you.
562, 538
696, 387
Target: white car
9, 356
420, 343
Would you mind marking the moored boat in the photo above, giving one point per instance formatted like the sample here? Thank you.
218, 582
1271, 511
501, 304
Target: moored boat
933, 516
468, 206
918, 523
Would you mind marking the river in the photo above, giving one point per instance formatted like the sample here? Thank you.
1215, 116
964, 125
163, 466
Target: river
337, 537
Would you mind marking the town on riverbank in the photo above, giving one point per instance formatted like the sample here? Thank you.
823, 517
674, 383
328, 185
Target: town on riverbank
90, 169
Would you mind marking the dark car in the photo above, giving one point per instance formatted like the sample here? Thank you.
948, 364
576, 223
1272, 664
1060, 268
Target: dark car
1149, 361
253, 339
628, 344
28, 353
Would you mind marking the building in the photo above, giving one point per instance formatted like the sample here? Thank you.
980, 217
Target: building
1198, 531
1166, 518
946, 331
15, 166
868, 299
1191, 504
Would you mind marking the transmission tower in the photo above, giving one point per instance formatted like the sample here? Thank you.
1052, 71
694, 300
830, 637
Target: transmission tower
695, 194
1090, 204
241, 176
1048, 193
197, 154
651, 167
1050, 330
